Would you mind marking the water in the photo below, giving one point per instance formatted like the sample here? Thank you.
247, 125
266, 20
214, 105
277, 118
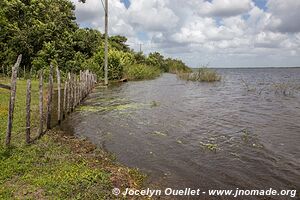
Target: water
241, 132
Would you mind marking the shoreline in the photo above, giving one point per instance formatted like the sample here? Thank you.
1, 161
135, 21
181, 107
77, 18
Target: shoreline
89, 171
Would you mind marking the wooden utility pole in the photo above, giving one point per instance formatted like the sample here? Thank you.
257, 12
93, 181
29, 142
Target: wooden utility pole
106, 44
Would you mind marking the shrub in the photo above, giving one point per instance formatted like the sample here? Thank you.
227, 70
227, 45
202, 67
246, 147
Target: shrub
140, 72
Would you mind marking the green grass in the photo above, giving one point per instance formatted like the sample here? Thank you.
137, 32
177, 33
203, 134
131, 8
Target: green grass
202, 75
141, 72
58, 166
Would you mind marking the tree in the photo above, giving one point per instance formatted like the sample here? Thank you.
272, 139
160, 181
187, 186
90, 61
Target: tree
26, 25
156, 59
119, 43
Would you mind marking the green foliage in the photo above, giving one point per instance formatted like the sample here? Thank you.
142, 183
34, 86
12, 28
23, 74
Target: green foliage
141, 72
140, 58
176, 66
115, 65
156, 59
87, 41
119, 43
27, 25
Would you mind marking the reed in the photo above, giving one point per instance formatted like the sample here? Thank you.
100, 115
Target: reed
202, 75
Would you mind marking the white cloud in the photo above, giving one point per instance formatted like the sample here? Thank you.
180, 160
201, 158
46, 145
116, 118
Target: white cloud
221, 32
285, 15
152, 15
221, 8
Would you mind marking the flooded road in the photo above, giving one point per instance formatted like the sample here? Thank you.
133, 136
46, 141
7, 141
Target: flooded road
242, 132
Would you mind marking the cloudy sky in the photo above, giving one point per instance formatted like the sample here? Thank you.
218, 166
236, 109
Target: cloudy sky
223, 33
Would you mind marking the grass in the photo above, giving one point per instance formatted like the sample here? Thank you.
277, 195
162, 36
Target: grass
58, 166
202, 75
141, 72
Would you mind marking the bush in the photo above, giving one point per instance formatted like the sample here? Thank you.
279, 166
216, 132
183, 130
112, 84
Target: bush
202, 75
115, 64
140, 72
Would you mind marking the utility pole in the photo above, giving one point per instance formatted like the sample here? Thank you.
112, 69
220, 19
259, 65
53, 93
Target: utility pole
106, 44
140, 47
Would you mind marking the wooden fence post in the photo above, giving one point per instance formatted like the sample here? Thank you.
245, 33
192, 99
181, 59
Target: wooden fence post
12, 99
28, 101
41, 103
75, 91
69, 92
49, 102
79, 88
58, 96
65, 99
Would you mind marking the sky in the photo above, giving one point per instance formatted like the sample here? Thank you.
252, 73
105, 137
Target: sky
218, 33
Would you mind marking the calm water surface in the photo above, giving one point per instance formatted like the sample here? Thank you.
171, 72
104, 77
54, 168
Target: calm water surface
241, 132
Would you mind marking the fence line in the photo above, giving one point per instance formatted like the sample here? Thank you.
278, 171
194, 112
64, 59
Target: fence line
75, 90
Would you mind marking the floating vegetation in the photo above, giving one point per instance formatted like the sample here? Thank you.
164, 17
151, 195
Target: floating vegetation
250, 139
179, 141
154, 104
121, 107
109, 100
245, 135
160, 133
210, 146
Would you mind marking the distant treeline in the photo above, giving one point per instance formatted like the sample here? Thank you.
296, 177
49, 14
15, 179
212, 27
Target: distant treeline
45, 31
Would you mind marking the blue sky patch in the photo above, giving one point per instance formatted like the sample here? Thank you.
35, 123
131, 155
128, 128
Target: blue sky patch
126, 3
262, 4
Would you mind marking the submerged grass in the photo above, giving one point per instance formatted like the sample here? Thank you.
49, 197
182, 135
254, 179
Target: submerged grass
121, 107
202, 75
58, 166
209, 146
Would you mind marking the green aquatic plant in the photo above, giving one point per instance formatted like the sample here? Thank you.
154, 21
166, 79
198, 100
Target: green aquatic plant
250, 139
245, 135
159, 133
203, 74
122, 107
154, 104
209, 146
179, 141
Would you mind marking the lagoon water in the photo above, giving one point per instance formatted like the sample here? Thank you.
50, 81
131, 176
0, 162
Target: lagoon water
242, 132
